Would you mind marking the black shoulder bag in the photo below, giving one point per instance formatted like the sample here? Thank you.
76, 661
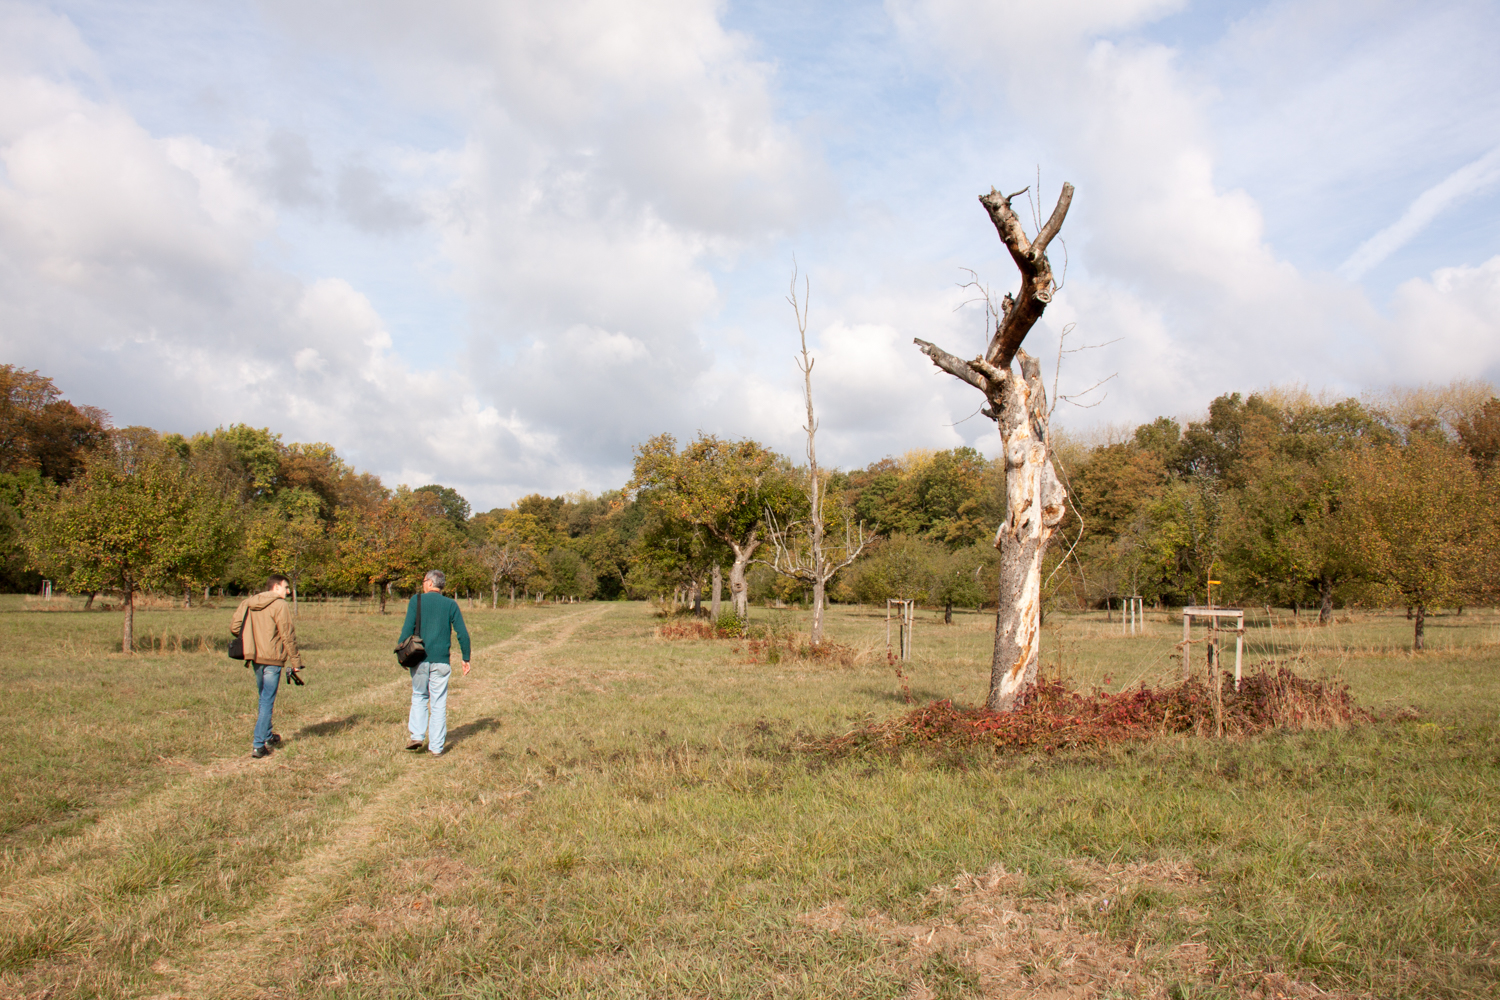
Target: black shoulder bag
411, 652
237, 642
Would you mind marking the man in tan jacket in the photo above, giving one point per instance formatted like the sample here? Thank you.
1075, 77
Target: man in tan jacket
264, 625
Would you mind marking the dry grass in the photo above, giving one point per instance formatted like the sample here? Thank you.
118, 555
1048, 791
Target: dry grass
621, 816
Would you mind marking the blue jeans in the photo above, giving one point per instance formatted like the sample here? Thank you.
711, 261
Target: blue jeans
429, 704
267, 679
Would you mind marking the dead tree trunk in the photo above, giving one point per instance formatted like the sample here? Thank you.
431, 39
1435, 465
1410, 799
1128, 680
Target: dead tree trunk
814, 564
1034, 496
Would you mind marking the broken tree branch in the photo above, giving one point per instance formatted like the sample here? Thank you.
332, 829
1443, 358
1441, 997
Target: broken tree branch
1037, 284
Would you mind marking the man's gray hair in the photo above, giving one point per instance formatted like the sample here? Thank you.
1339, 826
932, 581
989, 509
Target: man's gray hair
436, 578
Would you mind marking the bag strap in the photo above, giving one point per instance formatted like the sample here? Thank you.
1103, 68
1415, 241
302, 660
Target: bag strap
417, 630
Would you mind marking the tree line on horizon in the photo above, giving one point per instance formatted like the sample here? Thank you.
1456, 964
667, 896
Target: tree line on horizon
1280, 497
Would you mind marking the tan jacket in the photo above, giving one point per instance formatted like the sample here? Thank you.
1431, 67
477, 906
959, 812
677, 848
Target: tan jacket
270, 637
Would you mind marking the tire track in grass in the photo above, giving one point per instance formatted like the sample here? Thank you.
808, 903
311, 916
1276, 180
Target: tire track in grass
232, 966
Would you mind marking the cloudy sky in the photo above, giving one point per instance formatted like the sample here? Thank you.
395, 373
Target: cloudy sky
496, 244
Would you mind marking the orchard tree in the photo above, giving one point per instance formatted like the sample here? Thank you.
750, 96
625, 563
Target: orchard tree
1017, 402
723, 487
391, 546
1423, 522
133, 520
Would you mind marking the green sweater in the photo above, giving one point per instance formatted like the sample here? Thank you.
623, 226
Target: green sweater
439, 614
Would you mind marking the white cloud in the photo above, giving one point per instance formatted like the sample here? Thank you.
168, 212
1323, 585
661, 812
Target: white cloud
1453, 315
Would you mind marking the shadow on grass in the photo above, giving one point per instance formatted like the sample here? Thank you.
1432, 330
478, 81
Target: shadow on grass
488, 724
919, 696
331, 727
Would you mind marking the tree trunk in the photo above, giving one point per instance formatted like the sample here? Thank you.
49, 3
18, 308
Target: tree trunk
187, 596
815, 634
948, 612
127, 638
739, 591
1033, 509
718, 591
382, 597
88, 605
695, 597
512, 597
1416, 642
1325, 612
494, 594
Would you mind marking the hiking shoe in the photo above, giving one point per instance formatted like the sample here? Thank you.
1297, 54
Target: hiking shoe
260, 752
414, 745
273, 740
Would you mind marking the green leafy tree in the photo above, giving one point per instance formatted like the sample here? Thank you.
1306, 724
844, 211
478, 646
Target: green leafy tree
901, 567
723, 487
447, 503
1423, 521
288, 535
135, 519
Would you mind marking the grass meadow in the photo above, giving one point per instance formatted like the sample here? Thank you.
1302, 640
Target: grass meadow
625, 816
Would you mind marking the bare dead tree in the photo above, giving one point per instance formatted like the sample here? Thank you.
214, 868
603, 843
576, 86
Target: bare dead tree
807, 558
1034, 496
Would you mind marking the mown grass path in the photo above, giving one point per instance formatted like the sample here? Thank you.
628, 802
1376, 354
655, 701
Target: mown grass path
231, 965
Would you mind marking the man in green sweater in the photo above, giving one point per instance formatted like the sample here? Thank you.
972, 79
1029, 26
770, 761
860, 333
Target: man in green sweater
429, 679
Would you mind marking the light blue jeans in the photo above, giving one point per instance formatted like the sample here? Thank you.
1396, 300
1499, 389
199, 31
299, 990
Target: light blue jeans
429, 704
267, 680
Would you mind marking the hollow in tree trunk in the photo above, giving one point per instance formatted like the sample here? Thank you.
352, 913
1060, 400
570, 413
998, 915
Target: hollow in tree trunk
1034, 496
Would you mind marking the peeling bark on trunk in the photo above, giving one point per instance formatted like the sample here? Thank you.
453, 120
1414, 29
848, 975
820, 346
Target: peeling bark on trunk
1034, 496
1034, 501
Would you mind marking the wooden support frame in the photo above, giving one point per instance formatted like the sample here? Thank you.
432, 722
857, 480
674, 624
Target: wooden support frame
906, 615
1213, 615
